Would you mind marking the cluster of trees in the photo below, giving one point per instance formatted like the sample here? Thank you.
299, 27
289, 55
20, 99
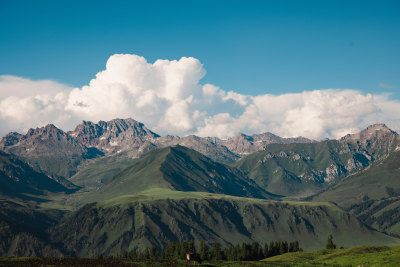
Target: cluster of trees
244, 251
239, 252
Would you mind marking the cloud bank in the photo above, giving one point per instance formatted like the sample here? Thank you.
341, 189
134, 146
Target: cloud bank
169, 98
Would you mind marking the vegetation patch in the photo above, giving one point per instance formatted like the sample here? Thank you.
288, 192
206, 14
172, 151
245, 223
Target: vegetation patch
358, 256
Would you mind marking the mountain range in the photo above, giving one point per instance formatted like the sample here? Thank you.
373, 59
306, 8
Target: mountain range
112, 186
46, 147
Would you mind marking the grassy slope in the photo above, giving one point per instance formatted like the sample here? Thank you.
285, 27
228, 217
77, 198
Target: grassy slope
18, 179
160, 216
358, 256
177, 168
280, 175
23, 229
372, 182
373, 194
98, 171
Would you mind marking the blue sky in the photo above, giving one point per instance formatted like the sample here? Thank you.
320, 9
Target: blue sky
251, 47
202, 67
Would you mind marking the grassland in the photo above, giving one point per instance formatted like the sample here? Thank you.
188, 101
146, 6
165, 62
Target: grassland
358, 256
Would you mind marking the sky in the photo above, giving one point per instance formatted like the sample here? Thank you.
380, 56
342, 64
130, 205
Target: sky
319, 69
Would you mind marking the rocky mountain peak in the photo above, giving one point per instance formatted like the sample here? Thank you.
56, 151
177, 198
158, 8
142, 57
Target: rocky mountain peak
373, 142
10, 139
114, 135
375, 131
47, 138
243, 144
48, 131
378, 128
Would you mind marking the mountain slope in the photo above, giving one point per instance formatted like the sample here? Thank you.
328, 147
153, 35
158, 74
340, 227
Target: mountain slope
208, 146
296, 169
158, 218
304, 169
178, 168
59, 154
23, 231
243, 145
49, 149
372, 194
19, 180
380, 180
95, 172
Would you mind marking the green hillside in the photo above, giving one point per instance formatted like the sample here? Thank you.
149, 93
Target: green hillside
158, 217
175, 194
181, 169
95, 172
305, 169
296, 169
23, 230
358, 256
19, 180
372, 194
380, 180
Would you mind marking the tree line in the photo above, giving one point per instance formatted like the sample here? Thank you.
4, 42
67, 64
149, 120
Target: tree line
239, 252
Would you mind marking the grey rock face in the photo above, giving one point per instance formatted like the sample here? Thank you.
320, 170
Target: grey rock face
373, 142
112, 136
48, 149
244, 145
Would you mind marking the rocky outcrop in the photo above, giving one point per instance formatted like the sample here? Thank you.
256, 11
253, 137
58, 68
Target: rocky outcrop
242, 144
113, 136
373, 142
48, 149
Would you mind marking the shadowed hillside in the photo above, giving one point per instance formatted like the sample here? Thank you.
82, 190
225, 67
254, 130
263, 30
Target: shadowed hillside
19, 180
160, 217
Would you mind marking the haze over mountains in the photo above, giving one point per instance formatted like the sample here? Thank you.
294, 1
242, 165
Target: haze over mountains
112, 186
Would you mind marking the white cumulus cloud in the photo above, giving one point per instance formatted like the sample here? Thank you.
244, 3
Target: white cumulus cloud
169, 98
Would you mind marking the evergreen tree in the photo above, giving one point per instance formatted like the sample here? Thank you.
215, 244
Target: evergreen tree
246, 251
256, 251
285, 247
291, 247
133, 254
191, 247
296, 246
177, 251
216, 252
145, 254
273, 249
204, 254
125, 254
184, 248
265, 254
329, 243
154, 253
